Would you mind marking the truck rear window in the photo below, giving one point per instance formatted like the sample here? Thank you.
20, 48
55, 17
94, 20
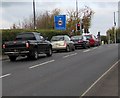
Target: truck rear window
25, 36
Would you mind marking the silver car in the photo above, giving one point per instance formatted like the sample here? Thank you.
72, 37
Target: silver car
62, 42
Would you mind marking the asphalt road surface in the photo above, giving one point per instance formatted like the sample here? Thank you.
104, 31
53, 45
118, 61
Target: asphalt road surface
63, 74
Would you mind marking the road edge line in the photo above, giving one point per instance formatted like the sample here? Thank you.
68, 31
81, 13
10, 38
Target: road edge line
99, 78
4, 76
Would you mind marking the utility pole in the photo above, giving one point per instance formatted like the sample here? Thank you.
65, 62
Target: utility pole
114, 29
119, 14
77, 23
76, 9
34, 17
109, 36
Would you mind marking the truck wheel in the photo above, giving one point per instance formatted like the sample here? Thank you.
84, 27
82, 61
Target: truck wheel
12, 58
49, 52
35, 54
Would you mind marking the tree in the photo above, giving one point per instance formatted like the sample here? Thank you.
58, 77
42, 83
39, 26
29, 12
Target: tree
110, 34
43, 20
83, 16
88, 12
118, 35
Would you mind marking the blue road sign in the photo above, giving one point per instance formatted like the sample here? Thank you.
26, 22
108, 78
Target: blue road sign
60, 22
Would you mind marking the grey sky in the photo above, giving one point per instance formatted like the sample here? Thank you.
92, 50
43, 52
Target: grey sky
13, 12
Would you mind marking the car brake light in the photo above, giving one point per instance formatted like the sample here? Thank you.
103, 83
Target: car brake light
65, 44
27, 45
80, 41
14, 42
3, 46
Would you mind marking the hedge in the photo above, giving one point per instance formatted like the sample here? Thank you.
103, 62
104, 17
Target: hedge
10, 34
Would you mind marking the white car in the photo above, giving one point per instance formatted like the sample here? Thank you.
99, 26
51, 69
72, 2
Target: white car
62, 42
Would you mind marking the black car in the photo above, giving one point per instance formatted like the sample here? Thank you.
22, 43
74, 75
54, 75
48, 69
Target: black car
80, 41
27, 44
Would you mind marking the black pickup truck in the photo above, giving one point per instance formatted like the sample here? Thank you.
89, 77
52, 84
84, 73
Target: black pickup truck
29, 44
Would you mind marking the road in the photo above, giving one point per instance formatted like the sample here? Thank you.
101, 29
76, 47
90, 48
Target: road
63, 74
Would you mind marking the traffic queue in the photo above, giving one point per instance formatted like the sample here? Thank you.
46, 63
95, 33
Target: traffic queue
31, 44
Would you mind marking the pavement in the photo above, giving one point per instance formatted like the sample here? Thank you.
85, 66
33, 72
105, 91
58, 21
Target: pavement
107, 85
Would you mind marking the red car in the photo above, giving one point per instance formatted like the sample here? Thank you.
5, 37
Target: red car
92, 40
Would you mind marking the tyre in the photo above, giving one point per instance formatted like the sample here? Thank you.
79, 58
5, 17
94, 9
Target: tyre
85, 47
73, 49
57, 50
68, 49
12, 58
35, 54
88, 46
49, 52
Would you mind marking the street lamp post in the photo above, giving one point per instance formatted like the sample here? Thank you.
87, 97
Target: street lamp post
114, 29
34, 17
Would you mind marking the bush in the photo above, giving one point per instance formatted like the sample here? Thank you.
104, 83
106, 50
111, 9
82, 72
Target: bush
9, 35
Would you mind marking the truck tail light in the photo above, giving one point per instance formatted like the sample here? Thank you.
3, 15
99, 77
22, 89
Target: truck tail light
27, 45
3, 46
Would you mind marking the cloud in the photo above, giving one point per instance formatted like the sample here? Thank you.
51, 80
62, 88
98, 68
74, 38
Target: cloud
46, 6
103, 17
4, 24
11, 4
16, 11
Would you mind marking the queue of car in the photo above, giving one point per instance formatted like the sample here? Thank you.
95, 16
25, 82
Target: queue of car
31, 44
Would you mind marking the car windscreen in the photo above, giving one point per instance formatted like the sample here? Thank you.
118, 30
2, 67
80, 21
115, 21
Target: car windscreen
57, 38
88, 36
25, 36
76, 38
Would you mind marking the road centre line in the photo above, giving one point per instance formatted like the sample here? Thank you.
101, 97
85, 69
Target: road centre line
73, 54
69, 55
94, 48
66, 56
42, 64
5, 76
86, 50
99, 78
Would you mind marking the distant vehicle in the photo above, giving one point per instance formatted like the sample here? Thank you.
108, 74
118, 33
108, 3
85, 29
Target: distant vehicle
62, 42
92, 40
27, 44
80, 41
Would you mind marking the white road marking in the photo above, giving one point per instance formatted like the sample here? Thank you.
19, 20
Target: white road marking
5, 76
86, 50
94, 48
41, 64
69, 55
5, 60
73, 54
66, 56
99, 78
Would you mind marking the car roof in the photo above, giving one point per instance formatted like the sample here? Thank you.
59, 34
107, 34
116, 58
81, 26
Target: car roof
29, 33
60, 35
77, 35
